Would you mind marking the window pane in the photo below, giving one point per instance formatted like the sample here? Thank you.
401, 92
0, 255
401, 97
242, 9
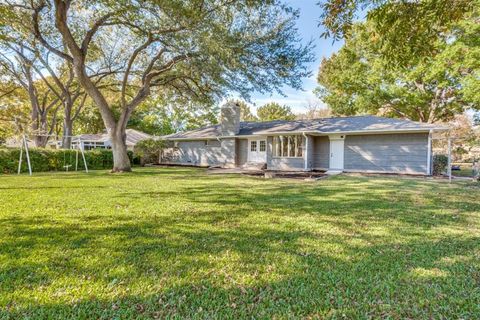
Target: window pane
263, 146
253, 146
276, 147
291, 146
299, 146
284, 146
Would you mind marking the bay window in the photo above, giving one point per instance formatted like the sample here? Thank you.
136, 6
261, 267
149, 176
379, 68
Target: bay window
288, 146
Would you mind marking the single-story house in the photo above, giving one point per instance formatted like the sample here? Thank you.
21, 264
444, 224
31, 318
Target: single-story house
102, 140
352, 144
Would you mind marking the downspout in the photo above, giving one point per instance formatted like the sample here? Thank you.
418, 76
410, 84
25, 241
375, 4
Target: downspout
429, 153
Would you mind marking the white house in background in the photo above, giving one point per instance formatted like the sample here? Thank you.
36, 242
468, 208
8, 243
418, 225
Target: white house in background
102, 141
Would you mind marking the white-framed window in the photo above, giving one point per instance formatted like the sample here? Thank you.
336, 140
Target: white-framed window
263, 146
253, 146
288, 146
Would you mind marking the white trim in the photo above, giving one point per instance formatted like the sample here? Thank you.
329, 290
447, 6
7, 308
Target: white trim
339, 141
449, 169
289, 147
314, 133
336, 137
379, 131
256, 158
429, 154
305, 154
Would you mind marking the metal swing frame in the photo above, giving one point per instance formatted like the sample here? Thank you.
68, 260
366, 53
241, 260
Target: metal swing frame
24, 146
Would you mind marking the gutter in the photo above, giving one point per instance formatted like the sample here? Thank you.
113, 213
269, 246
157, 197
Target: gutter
314, 133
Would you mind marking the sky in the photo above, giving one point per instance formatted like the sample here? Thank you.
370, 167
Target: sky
308, 28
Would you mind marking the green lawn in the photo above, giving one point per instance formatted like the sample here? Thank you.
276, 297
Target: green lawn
466, 170
177, 243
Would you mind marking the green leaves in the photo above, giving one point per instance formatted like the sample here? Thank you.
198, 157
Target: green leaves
274, 111
432, 87
408, 29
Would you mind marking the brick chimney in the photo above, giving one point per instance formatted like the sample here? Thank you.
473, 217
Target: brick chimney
230, 119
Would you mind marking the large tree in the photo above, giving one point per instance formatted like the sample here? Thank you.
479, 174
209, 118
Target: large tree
195, 48
245, 111
314, 110
14, 112
406, 29
434, 87
159, 117
19, 71
275, 111
34, 69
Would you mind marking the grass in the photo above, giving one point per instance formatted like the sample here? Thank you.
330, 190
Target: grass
177, 243
466, 170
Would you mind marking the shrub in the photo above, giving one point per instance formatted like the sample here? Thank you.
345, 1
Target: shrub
440, 163
149, 150
56, 160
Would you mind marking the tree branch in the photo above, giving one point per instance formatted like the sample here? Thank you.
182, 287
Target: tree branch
38, 35
90, 33
135, 53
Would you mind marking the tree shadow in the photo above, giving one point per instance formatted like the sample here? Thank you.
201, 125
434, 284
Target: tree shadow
271, 249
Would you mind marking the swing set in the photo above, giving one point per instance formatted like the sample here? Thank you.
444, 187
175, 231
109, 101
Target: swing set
78, 148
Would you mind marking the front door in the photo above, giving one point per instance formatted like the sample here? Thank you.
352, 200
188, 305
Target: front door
257, 150
336, 154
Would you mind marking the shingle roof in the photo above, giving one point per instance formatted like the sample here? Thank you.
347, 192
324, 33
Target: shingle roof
323, 125
133, 137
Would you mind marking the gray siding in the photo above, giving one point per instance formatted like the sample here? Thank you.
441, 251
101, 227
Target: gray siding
199, 154
242, 151
289, 164
321, 152
400, 153
309, 152
228, 152
269, 151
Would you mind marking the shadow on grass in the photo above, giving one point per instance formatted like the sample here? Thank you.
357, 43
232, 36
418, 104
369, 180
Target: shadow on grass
419, 278
276, 250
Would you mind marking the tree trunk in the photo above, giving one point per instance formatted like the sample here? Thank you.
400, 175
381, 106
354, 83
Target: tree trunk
67, 134
121, 162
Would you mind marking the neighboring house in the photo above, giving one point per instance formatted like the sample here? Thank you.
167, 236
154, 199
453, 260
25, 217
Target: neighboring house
353, 144
102, 140
16, 142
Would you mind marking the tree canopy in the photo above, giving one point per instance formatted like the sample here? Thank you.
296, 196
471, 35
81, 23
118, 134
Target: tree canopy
433, 87
194, 49
245, 111
158, 117
406, 30
274, 111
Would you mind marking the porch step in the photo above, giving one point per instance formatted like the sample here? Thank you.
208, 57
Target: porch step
254, 166
333, 172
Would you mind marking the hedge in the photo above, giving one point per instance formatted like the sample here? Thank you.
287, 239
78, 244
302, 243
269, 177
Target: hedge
440, 164
55, 160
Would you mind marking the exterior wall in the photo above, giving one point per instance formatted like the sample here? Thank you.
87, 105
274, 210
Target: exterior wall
242, 151
287, 164
321, 152
309, 155
269, 151
397, 153
228, 153
197, 153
